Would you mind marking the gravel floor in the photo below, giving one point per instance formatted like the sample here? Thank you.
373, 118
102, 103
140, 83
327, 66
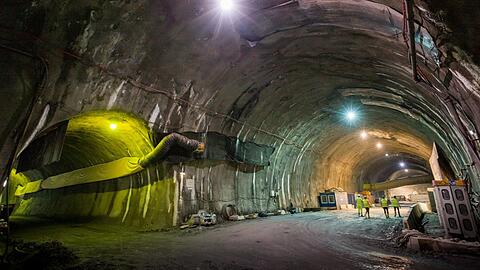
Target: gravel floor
317, 240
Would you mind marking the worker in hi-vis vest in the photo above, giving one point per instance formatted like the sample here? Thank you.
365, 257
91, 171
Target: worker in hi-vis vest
360, 206
366, 205
396, 206
384, 204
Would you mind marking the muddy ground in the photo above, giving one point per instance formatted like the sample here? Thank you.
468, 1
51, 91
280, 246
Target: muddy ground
315, 240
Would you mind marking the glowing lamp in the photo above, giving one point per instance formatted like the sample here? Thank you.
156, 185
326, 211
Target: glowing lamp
226, 5
351, 115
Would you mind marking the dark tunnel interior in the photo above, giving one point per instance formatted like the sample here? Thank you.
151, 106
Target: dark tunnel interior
290, 100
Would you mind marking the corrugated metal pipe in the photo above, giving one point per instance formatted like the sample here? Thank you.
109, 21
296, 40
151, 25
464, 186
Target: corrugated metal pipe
166, 144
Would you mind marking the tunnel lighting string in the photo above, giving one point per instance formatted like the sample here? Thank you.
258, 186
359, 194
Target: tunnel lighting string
150, 89
154, 90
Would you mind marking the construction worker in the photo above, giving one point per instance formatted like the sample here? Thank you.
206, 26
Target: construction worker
396, 206
366, 205
360, 206
384, 204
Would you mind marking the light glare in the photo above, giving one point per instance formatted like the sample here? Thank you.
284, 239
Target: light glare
226, 5
402, 164
351, 115
113, 126
406, 170
379, 146
364, 135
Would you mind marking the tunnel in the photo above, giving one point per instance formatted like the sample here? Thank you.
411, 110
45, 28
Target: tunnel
244, 110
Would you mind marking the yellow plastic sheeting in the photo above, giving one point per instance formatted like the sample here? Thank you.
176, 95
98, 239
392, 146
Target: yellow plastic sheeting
106, 171
15, 180
30, 187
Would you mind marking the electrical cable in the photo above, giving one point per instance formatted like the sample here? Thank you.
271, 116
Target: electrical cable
154, 90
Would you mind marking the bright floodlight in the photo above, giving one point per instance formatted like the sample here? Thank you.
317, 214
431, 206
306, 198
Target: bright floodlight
351, 115
379, 146
406, 170
226, 5
113, 126
386, 154
402, 164
364, 134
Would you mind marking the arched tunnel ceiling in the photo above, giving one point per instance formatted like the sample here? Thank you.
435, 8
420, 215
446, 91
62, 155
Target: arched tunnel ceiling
304, 67
385, 168
290, 71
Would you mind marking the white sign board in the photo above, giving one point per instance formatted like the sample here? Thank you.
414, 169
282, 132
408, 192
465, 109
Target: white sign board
190, 183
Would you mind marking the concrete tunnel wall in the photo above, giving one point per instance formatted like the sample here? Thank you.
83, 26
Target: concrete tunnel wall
282, 77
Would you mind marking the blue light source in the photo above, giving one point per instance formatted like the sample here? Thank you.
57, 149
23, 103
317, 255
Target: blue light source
351, 115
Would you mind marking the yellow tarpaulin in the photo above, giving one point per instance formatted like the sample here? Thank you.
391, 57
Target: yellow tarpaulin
106, 171
111, 170
30, 187
101, 172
